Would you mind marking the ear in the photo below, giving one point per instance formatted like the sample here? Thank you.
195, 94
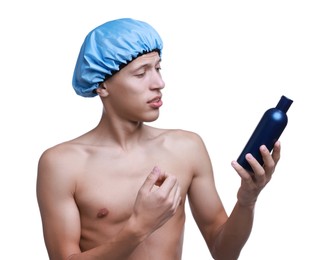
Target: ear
102, 90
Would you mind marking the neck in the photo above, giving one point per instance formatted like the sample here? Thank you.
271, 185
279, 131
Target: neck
125, 134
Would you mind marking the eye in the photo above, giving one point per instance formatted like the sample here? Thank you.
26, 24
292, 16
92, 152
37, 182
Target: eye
140, 75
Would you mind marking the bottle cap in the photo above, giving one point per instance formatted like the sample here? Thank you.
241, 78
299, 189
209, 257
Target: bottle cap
284, 104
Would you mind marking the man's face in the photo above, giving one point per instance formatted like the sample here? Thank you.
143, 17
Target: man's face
135, 91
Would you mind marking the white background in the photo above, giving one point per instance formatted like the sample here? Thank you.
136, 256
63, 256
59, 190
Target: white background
224, 64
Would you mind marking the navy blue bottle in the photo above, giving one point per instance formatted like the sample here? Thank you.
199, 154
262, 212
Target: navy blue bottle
267, 132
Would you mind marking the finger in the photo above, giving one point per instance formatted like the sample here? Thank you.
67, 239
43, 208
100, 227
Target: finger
244, 174
276, 152
177, 197
175, 190
151, 179
269, 163
266, 156
168, 184
258, 170
160, 179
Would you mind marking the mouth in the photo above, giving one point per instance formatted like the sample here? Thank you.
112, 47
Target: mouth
155, 102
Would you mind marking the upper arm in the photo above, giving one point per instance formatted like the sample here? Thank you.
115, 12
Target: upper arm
59, 213
204, 200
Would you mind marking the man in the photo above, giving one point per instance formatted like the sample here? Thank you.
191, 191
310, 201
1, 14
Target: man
119, 191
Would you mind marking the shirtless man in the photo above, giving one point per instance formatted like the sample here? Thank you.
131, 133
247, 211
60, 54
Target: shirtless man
119, 191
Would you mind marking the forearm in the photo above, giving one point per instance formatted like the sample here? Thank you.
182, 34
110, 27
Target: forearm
234, 233
120, 247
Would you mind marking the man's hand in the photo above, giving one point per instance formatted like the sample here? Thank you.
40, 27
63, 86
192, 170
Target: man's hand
253, 183
157, 201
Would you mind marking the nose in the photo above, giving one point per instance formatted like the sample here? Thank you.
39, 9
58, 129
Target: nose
157, 81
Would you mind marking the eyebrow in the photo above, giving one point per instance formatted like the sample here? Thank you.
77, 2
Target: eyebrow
145, 65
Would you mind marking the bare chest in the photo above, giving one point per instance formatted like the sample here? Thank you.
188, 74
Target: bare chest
107, 186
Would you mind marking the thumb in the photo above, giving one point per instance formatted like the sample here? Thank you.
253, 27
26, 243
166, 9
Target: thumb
152, 178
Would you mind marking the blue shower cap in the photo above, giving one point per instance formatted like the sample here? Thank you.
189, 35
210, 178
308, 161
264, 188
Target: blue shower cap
108, 48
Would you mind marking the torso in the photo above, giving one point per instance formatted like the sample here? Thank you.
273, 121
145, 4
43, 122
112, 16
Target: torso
107, 180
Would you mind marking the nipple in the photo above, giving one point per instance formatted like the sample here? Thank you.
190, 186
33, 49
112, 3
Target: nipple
102, 213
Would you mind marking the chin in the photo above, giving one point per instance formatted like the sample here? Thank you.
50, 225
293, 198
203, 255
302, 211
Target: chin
148, 120
151, 117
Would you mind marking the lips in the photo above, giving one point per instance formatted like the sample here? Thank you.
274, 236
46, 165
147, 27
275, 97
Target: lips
156, 102
156, 99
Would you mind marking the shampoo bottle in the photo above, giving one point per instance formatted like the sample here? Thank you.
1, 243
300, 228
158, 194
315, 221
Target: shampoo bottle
267, 132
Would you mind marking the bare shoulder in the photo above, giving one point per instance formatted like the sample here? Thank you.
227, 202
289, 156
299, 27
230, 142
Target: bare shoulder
182, 138
60, 152
186, 143
61, 160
